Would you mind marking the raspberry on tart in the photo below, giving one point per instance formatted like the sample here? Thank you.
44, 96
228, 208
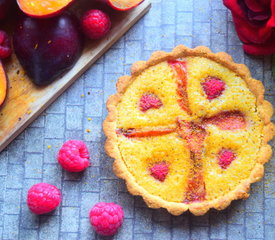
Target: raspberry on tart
159, 171
203, 145
213, 87
148, 101
225, 158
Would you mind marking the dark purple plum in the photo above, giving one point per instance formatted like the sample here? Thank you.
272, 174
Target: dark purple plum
46, 48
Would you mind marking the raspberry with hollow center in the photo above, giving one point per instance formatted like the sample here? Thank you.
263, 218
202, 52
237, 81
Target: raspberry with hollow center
148, 101
74, 156
213, 87
159, 171
43, 198
225, 158
5, 46
95, 24
106, 218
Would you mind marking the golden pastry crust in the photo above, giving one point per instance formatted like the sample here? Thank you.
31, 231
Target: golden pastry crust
197, 208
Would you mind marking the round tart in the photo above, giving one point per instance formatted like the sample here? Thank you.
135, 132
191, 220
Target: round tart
189, 130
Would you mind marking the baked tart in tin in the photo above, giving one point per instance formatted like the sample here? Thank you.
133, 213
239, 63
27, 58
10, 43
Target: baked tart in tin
189, 130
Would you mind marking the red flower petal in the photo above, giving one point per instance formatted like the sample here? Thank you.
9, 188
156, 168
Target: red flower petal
234, 6
259, 17
258, 39
257, 6
271, 21
266, 48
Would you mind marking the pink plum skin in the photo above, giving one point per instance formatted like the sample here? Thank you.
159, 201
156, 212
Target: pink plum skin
109, 2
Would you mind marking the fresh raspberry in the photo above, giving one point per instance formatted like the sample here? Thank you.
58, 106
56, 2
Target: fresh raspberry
148, 101
43, 198
225, 158
213, 87
5, 45
95, 24
106, 218
159, 171
74, 156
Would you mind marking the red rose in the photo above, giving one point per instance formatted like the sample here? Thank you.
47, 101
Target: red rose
255, 24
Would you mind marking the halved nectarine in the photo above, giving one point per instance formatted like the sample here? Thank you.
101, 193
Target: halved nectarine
123, 5
43, 8
3, 84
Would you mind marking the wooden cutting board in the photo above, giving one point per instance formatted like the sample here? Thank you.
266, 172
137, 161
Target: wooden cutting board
25, 101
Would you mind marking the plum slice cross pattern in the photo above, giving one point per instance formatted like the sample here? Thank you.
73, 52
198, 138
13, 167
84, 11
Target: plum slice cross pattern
194, 132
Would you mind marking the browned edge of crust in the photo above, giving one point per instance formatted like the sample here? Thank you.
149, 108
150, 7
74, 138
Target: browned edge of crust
265, 152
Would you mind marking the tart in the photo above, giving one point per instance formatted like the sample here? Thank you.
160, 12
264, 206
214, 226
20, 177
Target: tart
189, 130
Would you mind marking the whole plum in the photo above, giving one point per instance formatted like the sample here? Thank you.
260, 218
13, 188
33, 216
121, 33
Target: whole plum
46, 48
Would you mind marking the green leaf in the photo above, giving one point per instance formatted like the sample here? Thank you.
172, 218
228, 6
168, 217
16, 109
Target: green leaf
273, 66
